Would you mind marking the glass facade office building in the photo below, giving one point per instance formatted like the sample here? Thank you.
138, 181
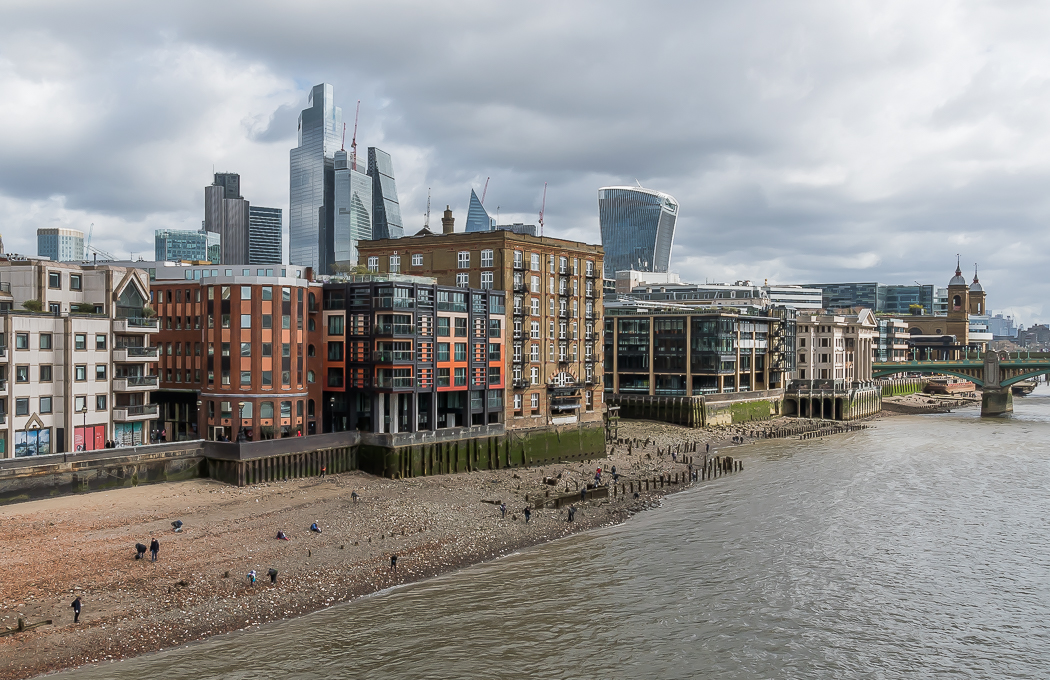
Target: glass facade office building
881, 298
312, 179
477, 217
353, 210
265, 245
386, 212
60, 245
175, 245
637, 228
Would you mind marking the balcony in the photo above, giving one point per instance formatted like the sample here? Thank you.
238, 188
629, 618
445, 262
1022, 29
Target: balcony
396, 383
131, 414
395, 329
136, 325
389, 356
520, 384
3, 386
135, 383
135, 354
591, 273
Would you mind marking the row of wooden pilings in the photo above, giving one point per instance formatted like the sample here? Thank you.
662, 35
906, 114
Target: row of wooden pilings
801, 430
712, 468
831, 429
287, 466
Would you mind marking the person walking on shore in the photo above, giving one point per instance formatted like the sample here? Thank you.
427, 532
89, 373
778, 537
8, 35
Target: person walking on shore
393, 563
273, 575
354, 496
154, 548
572, 513
251, 577
503, 510
76, 609
528, 514
324, 469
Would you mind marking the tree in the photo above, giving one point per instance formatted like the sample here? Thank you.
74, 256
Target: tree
33, 305
83, 308
917, 310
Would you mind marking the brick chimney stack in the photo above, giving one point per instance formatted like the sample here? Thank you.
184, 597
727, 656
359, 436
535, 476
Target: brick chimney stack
448, 222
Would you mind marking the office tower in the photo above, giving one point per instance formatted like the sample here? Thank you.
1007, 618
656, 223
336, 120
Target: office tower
637, 228
312, 180
386, 212
176, 245
477, 217
60, 245
226, 214
353, 210
265, 245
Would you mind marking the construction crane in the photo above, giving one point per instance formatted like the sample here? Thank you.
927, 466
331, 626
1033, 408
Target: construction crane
426, 223
485, 190
342, 146
353, 140
543, 206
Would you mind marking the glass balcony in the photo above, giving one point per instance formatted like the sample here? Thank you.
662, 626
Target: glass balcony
125, 414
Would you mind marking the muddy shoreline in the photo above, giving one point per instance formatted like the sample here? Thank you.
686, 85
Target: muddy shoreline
54, 550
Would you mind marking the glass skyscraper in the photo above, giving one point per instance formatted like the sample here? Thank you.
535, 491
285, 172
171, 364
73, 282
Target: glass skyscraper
60, 244
477, 217
353, 210
312, 180
386, 212
226, 213
637, 228
265, 244
177, 245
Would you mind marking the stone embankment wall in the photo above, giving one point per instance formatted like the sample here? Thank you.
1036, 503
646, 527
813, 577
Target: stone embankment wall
701, 411
898, 387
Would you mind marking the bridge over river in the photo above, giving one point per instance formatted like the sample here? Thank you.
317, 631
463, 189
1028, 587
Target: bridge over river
993, 372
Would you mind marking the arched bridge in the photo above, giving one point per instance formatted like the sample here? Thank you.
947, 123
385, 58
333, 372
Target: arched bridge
994, 372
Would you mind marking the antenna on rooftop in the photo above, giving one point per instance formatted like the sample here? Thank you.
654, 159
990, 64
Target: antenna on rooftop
353, 140
342, 146
637, 182
485, 190
426, 223
543, 206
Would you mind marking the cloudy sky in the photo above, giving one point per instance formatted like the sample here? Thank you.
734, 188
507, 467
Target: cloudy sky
805, 141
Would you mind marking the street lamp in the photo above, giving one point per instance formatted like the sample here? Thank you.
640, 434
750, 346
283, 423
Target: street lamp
331, 411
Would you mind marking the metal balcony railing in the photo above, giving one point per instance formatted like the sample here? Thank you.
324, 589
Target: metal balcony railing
392, 355
395, 329
394, 383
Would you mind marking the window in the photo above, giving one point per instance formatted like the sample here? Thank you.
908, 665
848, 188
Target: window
443, 377
225, 378
21, 340
461, 351
534, 333
80, 373
461, 327
74, 281
286, 321
267, 349
286, 409
534, 378
266, 409
246, 293
443, 327
246, 378
535, 356
225, 321
45, 341
79, 404
463, 280
373, 264
100, 342
225, 349
535, 287
45, 373
417, 260
461, 377
486, 258
517, 402
45, 404
335, 325
267, 320
54, 280
100, 402
22, 374
100, 371
486, 280
246, 349
519, 259
246, 320
22, 406
494, 378
442, 352
464, 259
534, 262
267, 293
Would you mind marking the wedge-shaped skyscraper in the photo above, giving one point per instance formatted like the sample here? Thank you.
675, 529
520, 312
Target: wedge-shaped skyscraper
477, 217
386, 211
637, 228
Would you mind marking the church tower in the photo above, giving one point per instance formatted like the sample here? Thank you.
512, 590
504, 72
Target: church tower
977, 304
959, 307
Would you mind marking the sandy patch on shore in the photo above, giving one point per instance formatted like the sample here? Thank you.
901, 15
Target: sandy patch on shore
53, 550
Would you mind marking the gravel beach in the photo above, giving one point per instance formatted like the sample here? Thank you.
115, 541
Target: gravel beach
54, 550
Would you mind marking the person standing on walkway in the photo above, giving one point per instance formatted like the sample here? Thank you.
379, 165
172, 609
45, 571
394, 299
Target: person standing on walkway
154, 548
76, 610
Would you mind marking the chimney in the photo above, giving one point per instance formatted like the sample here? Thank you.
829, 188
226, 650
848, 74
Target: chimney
448, 222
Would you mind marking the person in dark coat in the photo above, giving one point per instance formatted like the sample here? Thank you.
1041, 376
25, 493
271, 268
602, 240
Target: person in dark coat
273, 575
140, 551
154, 548
76, 610
393, 562
528, 514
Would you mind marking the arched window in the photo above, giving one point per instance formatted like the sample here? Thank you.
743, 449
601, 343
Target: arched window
310, 408
956, 303
310, 351
312, 326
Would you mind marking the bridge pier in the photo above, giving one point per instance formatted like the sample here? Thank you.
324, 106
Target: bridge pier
997, 401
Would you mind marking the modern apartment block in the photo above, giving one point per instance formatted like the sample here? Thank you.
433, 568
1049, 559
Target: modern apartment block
668, 350
403, 354
265, 235
892, 342
554, 295
226, 214
177, 245
60, 244
79, 372
236, 358
637, 228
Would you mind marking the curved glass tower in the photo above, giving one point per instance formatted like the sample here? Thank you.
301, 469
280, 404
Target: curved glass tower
311, 176
637, 228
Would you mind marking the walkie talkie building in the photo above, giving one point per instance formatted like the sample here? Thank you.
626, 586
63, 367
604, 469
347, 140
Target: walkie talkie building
637, 228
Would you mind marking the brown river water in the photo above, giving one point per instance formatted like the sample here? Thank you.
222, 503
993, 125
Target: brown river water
917, 548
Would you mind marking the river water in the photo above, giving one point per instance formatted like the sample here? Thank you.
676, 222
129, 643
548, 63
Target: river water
917, 548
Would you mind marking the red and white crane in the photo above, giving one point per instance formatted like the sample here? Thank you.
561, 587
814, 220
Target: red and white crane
485, 190
353, 140
543, 207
